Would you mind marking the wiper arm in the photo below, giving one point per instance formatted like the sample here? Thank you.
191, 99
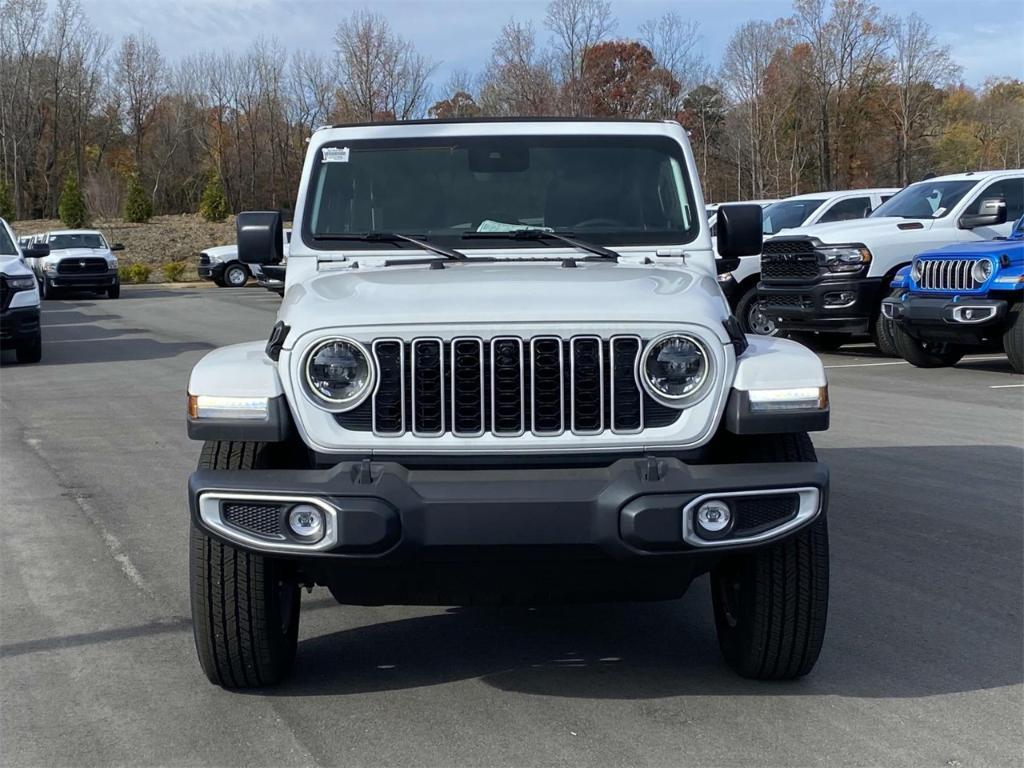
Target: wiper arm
391, 237
543, 234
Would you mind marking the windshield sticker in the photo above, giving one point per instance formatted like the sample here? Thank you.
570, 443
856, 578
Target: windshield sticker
487, 225
335, 154
938, 212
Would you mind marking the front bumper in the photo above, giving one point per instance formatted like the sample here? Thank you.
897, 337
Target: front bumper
632, 509
813, 306
86, 282
960, 319
19, 325
210, 271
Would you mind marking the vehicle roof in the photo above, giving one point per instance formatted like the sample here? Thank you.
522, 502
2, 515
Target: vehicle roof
499, 127
976, 175
73, 232
842, 192
485, 120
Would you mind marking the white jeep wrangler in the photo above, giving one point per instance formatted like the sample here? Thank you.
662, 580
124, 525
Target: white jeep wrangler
503, 370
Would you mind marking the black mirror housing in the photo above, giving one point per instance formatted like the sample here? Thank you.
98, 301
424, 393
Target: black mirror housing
991, 213
723, 265
36, 250
117, 247
260, 237
739, 230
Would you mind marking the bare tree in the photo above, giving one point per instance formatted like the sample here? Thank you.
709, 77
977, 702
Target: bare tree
673, 40
519, 79
140, 77
577, 25
920, 67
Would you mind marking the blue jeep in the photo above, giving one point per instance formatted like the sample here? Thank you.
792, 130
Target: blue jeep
961, 296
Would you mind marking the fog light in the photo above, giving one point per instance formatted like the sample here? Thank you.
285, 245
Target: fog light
713, 518
841, 299
306, 523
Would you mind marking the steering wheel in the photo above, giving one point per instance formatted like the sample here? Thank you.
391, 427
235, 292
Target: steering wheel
599, 222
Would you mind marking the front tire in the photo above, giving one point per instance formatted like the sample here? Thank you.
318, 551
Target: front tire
925, 354
1013, 338
753, 319
47, 291
236, 275
30, 352
245, 607
771, 604
114, 291
883, 335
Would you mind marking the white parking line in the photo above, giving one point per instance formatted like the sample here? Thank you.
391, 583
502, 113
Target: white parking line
1004, 386
972, 358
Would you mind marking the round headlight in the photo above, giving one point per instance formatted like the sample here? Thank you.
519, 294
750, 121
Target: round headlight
339, 372
674, 368
917, 270
982, 270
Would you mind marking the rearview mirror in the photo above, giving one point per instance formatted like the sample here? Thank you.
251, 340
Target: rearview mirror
739, 230
260, 237
117, 247
36, 250
991, 213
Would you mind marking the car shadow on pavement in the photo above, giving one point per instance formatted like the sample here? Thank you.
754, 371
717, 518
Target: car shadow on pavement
926, 599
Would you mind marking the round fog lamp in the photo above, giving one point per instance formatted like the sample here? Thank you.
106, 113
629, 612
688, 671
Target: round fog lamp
713, 517
306, 522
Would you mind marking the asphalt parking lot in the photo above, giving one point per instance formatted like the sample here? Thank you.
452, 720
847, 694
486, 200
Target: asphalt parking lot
922, 665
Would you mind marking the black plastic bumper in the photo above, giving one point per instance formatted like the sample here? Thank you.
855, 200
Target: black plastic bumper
210, 271
943, 319
630, 509
19, 325
87, 282
803, 306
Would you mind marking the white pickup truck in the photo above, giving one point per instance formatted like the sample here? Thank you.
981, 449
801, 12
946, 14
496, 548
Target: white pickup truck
19, 297
740, 283
827, 281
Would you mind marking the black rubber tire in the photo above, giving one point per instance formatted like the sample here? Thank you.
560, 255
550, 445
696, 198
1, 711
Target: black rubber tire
925, 355
745, 307
883, 336
771, 604
1013, 338
245, 607
235, 267
30, 352
114, 291
219, 283
47, 291
821, 342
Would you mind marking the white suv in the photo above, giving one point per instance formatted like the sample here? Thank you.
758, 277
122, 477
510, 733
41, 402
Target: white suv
740, 283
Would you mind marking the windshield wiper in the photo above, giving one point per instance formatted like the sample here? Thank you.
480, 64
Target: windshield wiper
391, 237
542, 234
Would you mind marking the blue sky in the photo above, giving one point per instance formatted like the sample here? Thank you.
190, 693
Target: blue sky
987, 39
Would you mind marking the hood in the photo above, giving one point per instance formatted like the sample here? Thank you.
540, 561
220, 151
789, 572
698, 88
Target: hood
994, 248
13, 266
78, 253
221, 252
860, 230
503, 293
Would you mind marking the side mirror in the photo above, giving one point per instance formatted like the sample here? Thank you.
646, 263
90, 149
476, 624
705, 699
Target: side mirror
36, 250
723, 265
991, 212
739, 230
260, 237
117, 247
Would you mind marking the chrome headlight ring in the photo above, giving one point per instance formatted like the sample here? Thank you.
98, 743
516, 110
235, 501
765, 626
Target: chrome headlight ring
695, 393
982, 270
350, 401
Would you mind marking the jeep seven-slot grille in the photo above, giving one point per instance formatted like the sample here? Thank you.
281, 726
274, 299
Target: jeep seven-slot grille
788, 260
948, 275
508, 386
83, 266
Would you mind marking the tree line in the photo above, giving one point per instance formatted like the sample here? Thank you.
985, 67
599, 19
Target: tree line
837, 94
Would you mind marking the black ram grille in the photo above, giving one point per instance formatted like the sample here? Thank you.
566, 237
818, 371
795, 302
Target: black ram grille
788, 260
83, 266
781, 300
507, 386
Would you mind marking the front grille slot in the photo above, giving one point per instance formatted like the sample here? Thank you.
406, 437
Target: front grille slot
507, 386
755, 514
88, 265
788, 260
204, 259
264, 520
948, 275
782, 300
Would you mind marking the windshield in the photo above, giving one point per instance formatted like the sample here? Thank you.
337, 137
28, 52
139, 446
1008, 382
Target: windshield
610, 190
788, 214
6, 244
77, 240
925, 200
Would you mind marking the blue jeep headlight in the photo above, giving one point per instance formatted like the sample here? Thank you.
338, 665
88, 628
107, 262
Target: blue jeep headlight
982, 270
917, 270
